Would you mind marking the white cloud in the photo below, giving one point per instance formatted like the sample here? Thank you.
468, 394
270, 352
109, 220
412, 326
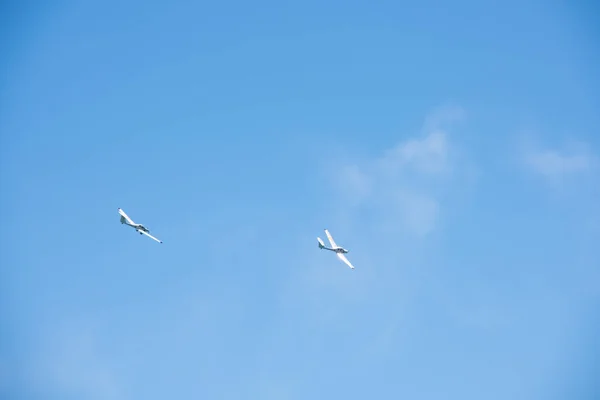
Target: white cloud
554, 164
401, 188
419, 211
427, 155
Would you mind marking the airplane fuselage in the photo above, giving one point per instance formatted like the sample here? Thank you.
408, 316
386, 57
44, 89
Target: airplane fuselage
138, 227
337, 250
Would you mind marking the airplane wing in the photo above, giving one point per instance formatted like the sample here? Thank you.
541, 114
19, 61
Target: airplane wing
345, 260
149, 235
330, 239
129, 220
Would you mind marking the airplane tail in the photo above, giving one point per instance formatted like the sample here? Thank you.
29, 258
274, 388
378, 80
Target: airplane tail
321, 244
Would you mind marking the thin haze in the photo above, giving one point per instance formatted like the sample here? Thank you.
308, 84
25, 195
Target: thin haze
453, 148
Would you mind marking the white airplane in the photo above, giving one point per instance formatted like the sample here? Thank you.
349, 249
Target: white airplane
339, 251
138, 227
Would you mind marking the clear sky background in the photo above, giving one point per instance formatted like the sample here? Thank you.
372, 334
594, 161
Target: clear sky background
452, 147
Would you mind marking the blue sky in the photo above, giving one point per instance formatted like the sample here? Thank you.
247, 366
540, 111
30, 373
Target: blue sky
453, 148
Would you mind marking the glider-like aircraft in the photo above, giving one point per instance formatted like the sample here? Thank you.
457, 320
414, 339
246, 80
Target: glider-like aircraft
138, 227
339, 251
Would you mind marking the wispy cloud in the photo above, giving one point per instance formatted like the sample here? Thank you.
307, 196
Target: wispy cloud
559, 164
401, 188
552, 163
